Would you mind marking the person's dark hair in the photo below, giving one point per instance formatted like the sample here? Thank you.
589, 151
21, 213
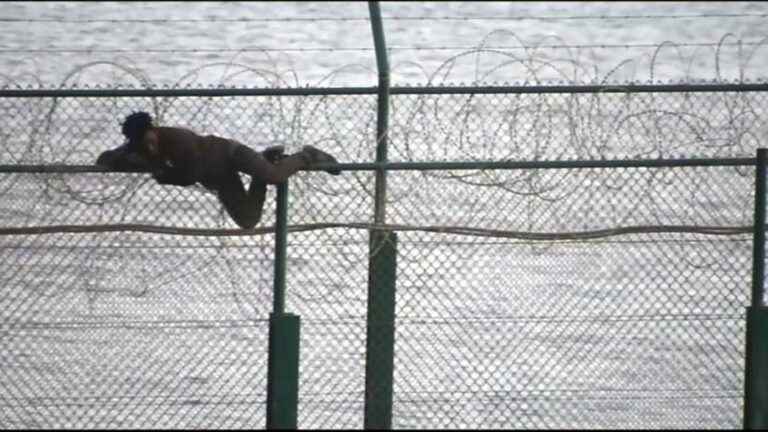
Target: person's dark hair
135, 125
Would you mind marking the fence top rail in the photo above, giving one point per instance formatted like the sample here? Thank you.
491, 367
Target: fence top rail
421, 90
432, 166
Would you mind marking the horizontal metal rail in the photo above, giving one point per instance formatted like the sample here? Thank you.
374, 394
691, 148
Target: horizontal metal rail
425, 90
430, 166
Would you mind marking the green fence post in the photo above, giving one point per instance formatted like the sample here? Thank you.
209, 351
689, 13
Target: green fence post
283, 361
283, 371
380, 338
756, 370
756, 361
382, 112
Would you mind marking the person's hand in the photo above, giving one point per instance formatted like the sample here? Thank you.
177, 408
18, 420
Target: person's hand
159, 175
121, 159
107, 159
162, 171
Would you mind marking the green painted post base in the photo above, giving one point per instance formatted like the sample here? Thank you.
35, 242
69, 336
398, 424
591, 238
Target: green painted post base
380, 338
756, 370
283, 371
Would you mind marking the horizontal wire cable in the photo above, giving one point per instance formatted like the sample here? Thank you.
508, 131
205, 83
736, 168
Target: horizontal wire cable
136, 324
255, 323
255, 398
532, 392
392, 18
128, 401
389, 48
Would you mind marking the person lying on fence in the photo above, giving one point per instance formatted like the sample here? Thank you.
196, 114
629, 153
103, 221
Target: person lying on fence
178, 156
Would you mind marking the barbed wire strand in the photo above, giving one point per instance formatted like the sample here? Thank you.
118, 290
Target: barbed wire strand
481, 232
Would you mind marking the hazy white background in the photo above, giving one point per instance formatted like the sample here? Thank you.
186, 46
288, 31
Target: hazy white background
135, 330
294, 43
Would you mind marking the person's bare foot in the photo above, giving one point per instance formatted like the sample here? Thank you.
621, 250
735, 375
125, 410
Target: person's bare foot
316, 156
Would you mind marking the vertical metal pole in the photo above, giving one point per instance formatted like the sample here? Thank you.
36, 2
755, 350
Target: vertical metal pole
758, 247
283, 371
756, 359
380, 337
382, 115
283, 361
281, 246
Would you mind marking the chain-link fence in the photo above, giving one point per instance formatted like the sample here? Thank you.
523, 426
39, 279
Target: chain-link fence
138, 329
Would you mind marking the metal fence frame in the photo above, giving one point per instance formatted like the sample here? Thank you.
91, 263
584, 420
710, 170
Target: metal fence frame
284, 327
283, 374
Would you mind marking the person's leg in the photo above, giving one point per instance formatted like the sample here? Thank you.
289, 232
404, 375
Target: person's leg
243, 207
253, 163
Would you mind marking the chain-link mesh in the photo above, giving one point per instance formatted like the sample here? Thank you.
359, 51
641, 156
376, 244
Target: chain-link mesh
636, 331
151, 330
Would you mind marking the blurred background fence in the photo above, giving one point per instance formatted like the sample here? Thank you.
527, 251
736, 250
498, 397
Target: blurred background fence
494, 328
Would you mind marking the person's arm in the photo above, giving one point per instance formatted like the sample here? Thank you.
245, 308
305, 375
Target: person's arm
123, 158
173, 161
169, 174
176, 165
